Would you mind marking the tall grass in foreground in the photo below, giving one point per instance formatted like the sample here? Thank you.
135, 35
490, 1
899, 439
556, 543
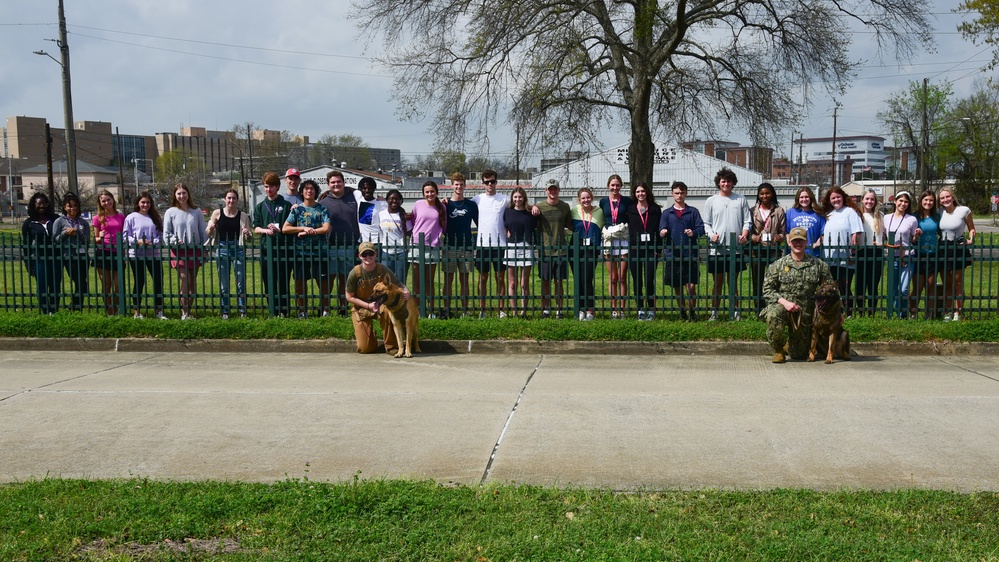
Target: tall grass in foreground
382, 520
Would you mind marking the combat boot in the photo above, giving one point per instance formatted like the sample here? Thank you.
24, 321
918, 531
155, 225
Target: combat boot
779, 357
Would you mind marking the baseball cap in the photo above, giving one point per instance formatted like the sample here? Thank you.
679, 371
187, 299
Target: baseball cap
364, 247
292, 172
797, 233
552, 183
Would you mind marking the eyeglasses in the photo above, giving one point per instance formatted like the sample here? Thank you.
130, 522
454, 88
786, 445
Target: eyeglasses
489, 182
367, 254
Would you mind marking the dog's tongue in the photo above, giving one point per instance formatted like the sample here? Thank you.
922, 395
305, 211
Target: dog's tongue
379, 301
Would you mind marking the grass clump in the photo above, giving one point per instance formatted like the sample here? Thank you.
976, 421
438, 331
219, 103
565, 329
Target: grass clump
375, 520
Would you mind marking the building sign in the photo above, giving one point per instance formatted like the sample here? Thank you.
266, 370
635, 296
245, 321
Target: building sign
875, 146
847, 145
662, 154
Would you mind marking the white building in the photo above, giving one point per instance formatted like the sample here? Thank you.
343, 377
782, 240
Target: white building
672, 163
867, 152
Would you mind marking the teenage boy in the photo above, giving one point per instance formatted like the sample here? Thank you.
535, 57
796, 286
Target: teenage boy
341, 204
491, 240
681, 226
292, 179
459, 246
554, 219
275, 247
726, 214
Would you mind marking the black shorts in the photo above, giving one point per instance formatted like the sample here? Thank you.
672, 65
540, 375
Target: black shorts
553, 268
924, 264
681, 272
488, 258
953, 256
105, 258
719, 264
311, 267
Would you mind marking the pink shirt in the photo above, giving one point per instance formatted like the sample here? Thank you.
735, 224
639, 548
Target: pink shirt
425, 221
112, 226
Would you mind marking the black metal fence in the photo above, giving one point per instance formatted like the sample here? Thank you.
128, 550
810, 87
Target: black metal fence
562, 281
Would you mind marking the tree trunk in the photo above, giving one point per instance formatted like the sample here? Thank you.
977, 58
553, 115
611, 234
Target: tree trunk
641, 151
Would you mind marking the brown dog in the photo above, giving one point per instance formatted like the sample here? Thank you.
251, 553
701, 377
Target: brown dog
404, 314
828, 335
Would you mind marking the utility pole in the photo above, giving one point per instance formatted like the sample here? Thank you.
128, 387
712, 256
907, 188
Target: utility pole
924, 153
48, 161
835, 114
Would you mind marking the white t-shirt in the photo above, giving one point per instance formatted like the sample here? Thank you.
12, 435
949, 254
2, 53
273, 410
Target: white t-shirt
871, 234
954, 225
491, 231
390, 231
367, 218
840, 226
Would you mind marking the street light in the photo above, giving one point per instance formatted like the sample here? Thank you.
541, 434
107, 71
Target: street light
152, 172
67, 99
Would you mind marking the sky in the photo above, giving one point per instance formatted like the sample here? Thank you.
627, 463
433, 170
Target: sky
303, 66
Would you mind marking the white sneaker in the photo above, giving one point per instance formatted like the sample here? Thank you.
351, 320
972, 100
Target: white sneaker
948, 317
957, 317
736, 316
502, 315
160, 316
641, 315
713, 317
225, 316
614, 315
589, 316
582, 316
482, 315
138, 316
650, 316
185, 316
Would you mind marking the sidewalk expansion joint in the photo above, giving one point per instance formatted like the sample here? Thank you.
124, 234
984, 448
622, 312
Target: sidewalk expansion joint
963, 368
509, 418
77, 377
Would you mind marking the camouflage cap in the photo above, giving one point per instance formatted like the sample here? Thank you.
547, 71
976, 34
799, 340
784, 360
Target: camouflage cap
797, 233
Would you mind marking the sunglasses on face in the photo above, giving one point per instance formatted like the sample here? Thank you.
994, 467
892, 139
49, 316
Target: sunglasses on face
367, 254
489, 182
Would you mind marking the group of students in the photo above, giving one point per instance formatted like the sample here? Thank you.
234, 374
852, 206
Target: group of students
52, 243
312, 235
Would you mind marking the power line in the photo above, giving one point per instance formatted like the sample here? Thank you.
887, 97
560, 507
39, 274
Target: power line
265, 49
227, 59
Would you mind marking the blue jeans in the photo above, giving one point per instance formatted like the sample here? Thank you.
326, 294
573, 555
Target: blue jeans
231, 254
397, 263
904, 276
48, 277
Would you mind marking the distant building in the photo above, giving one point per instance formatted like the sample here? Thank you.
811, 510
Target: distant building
672, 163
549, 163
866, 154
91, 178
368, 158
756, 158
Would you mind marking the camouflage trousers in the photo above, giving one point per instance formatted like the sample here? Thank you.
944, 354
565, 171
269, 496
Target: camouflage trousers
785, 328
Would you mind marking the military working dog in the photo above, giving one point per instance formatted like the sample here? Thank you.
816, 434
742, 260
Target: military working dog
404, 314
828, 335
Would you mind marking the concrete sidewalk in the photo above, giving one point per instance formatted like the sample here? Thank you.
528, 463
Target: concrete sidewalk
615, 421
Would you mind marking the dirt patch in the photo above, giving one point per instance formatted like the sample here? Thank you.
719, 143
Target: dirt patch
213, 545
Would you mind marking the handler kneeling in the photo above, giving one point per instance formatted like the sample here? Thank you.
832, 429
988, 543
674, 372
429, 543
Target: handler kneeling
360, 284
789, 290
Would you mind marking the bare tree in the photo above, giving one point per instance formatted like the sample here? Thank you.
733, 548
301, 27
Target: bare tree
904, 115
564, 70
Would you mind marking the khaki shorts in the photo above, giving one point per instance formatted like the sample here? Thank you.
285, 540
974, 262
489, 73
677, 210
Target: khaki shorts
458, 259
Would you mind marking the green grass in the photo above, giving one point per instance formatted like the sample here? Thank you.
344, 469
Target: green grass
393, 520
94, 325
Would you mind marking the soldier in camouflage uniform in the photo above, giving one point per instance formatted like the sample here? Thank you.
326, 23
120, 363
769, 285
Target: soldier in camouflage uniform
789, 288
